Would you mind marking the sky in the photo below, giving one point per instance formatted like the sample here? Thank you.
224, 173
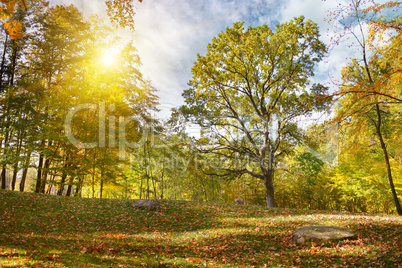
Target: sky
169, 34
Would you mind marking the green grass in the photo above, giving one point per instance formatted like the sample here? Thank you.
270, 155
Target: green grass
52, 231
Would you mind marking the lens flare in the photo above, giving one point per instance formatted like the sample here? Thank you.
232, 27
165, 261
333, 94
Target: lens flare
108, 58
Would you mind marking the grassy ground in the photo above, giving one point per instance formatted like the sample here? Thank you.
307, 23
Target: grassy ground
50, 231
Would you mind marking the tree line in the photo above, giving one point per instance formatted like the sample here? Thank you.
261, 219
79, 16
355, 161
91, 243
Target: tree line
73, 124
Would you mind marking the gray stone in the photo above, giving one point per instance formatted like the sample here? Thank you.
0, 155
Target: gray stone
321, 235
239, 201
146, 204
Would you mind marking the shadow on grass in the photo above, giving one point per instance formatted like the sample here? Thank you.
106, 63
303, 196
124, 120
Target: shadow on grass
74, 232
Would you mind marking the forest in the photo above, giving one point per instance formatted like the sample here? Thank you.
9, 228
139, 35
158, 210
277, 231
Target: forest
79, 118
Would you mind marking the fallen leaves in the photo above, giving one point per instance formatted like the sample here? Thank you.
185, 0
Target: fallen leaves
40, 230
11, 254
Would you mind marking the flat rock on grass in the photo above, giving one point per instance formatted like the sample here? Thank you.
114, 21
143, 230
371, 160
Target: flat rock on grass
146, 204
321, 235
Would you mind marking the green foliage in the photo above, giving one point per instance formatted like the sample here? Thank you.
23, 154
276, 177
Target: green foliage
248, 91
61, 70
247, 95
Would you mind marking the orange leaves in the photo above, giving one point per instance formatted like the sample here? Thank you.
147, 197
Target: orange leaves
379, 26
7, 9
11, 254
378, 7
14, 29
314, 248
252, 236
99, 247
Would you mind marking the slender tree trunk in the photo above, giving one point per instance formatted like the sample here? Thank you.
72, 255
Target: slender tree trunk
79, 186
93, 176
163, 171
6, 141
141, 188
126, 188
46, 167
63, 178
25, 172
386, 158
101, 183
14, 180
3, 63
379, 135
13, 62
23, 179
146, 172
16, 163
49, 189
44, 176
153, 184
69, 190
3, 177
62, 182
93, 182
147, 186
70, 186
39, 173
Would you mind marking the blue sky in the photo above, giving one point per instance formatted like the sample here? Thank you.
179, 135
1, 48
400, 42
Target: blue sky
169, 34
169, 44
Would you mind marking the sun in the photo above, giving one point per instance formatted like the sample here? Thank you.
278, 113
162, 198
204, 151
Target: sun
108, 58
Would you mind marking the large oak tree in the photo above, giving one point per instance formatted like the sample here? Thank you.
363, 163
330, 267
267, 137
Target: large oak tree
248, 93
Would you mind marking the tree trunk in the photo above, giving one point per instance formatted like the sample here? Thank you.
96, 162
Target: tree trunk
62, 182
44, 176
23, 179
147, 186
125, 188
386, 158
14, 180
13, 62
39, 174
269, 191
93, 183
63, 178
378, 126
79, 186
25, 172
153, 185
16, 163
3, 63
93, 176
46, 167
49, 189
3, 177
141, 188
6, 143
70, 186
163, 171
101, 184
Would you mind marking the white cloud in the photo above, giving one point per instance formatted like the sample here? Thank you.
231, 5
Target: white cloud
170, 33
